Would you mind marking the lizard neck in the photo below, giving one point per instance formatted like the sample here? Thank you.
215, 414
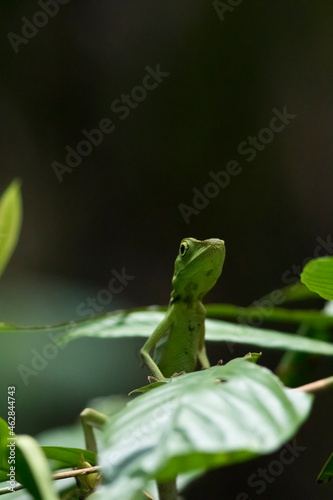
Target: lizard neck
187, 298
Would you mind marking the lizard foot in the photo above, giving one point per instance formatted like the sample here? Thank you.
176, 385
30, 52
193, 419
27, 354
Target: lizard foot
177, 374
152, 379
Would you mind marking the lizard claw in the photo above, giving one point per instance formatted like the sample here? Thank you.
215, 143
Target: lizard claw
177, 374
153, 380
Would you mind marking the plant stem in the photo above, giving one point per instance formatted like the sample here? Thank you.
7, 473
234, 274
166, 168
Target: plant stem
312, 316
76, 472
316, 386
167, 490
58, 475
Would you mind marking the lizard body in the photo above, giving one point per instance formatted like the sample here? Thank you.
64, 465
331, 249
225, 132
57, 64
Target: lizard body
179, 340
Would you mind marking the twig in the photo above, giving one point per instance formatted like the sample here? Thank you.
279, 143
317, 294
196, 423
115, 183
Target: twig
76, 472
58, 475
315, 386
5, 491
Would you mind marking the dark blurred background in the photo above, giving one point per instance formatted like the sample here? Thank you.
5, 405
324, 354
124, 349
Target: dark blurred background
221, 72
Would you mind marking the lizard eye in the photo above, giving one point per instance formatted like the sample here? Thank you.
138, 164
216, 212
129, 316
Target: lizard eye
184, 246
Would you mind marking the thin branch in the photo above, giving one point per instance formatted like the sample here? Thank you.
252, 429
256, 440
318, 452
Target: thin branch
5, 491
76, 472
316, 386
58, 475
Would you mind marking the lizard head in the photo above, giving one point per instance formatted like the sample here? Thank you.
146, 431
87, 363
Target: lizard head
197, 267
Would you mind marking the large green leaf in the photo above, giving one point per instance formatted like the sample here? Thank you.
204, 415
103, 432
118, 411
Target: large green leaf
243, 334
200, 420
317, 275
73, 435
122, 321
143, 322
10, 222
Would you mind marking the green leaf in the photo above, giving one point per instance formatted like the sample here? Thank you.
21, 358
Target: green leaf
201, 420
142, 323
68, 457
10, 222
74, 436
4, 450
243, 334
25, 470
326, 473
295, 368
317, 275
34, 470
149, 387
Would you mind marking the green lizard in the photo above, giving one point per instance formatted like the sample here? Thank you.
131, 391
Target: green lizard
179, 340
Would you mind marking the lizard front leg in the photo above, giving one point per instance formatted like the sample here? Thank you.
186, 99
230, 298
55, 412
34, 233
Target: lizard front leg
203, 359
202, 354
158, 333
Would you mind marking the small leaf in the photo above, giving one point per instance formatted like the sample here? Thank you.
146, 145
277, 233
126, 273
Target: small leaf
326, 473
149, 387
68, 457
253, 357
223, 415
317, 275
10, 222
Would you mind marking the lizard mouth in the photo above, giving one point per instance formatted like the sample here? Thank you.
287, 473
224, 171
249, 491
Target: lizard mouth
215, 242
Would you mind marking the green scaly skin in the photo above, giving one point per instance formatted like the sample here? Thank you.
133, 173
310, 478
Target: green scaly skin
179, 340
